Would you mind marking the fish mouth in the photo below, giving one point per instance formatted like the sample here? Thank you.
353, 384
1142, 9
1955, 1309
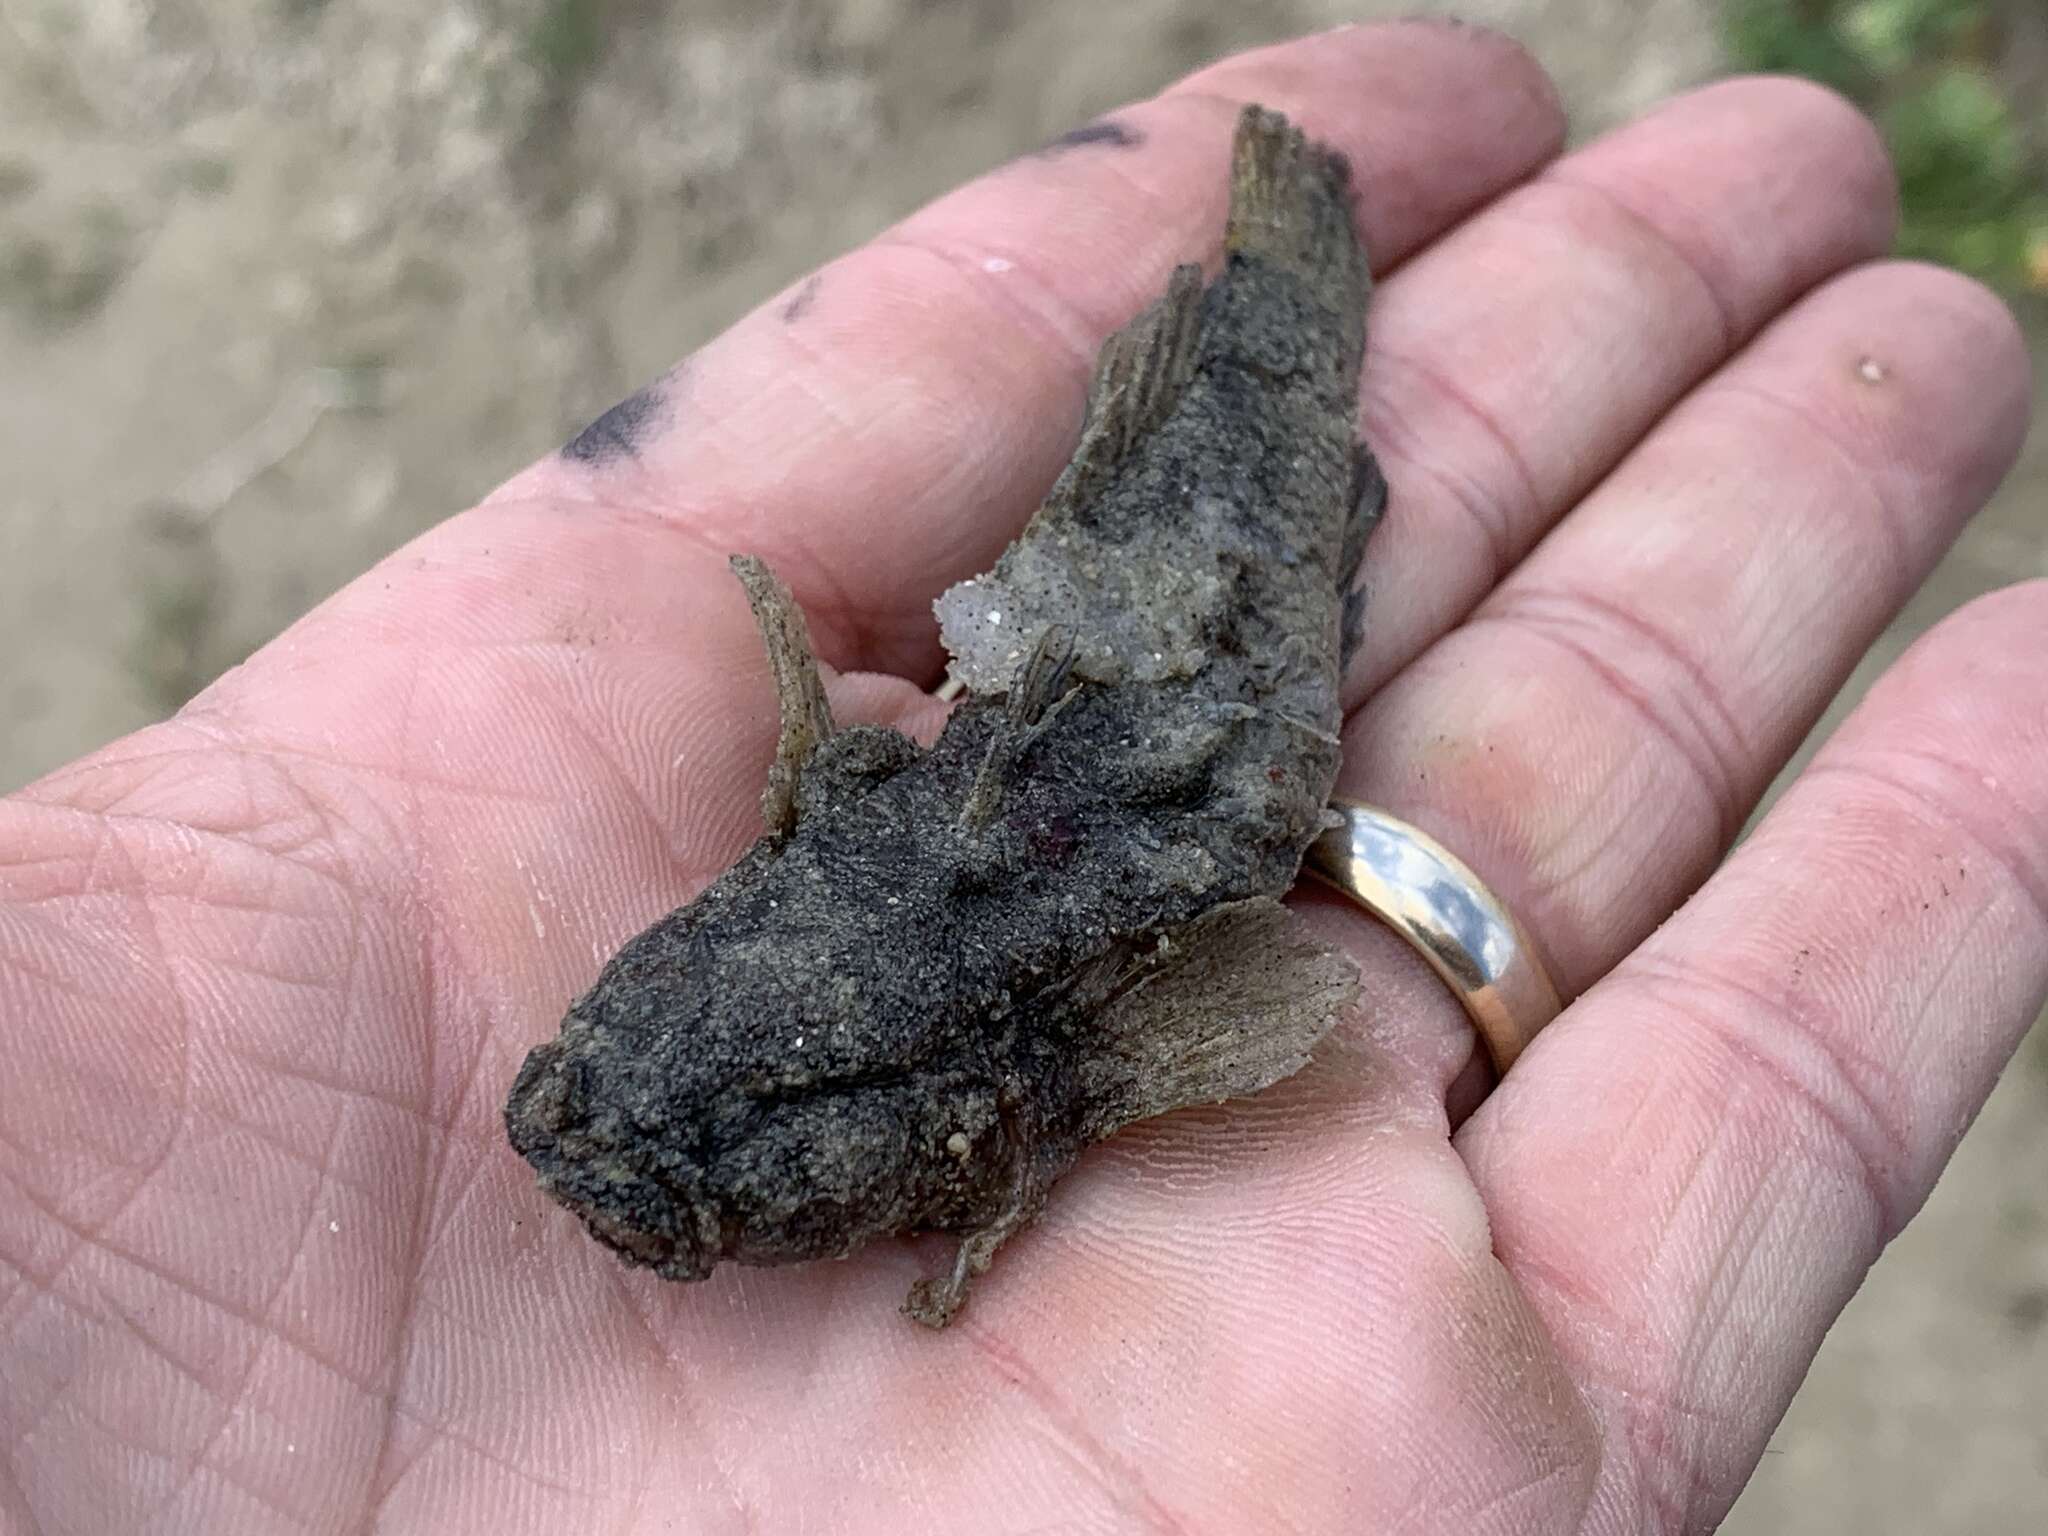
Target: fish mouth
584, 1163
667, 1255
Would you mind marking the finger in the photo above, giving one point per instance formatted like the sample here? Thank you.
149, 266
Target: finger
889, 424
1508, 368
1690, 1173
1594, 738
1514, 364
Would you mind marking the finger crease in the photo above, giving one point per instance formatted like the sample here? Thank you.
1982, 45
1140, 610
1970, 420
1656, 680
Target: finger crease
1734, 328
1948, 820
1900, 561
1876, 1145
1499, 519
1118, 1480
1711, 753
410, 1263
993, 280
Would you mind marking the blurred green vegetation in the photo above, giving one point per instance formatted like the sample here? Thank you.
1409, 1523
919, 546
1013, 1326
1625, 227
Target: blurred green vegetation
1960, 90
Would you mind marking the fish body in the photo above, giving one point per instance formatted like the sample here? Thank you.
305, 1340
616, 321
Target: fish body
943, 973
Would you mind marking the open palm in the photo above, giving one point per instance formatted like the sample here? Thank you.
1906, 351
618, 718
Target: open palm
1667, 448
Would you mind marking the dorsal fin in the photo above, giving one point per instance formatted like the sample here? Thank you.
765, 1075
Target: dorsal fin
1139, 376
1036, 695
805, 713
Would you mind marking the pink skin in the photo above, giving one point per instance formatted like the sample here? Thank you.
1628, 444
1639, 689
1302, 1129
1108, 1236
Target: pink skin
267, 1263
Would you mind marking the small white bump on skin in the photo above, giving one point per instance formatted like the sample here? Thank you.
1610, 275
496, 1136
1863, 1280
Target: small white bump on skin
1871, 371
958, 1144
996, 264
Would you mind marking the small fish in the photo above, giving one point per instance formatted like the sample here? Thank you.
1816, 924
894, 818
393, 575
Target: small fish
940, 975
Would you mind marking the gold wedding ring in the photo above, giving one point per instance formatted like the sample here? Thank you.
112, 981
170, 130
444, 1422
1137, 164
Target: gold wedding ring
1426, 894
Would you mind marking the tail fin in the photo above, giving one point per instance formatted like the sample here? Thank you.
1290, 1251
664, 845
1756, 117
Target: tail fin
1290, 204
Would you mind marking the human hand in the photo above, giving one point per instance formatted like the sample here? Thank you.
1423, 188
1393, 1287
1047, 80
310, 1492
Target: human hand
267, 1263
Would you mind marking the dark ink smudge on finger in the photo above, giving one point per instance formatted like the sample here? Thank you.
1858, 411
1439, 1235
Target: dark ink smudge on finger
622, 431
1108, 132
800, 302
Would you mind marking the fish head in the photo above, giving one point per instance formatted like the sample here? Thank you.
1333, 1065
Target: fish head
765, 1088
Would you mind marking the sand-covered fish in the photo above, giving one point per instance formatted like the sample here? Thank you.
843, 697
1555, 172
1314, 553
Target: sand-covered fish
941, 974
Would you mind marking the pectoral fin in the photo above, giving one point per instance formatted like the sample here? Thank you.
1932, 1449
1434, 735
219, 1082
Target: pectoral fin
935, 1300
800, 692
1235, 1004
1368, 506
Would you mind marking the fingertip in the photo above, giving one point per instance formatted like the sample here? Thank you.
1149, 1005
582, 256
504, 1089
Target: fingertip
1508, 114
1519, 70
1359, 51
2019, 612
1979, 670
1931, 369
1825, 113
1765, 184
1990, 329
1983, 321
1819, 115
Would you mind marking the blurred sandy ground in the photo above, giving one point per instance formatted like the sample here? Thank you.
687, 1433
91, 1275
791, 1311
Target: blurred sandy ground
283, 281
